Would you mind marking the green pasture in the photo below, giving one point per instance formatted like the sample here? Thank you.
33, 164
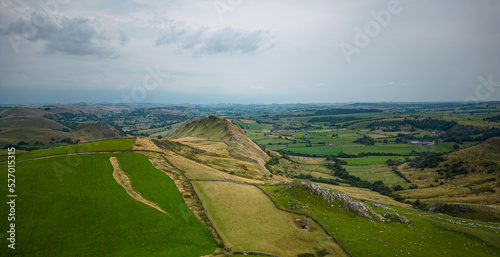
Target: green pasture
252, 126
47, 152
377, 172
372, 160
117, 144
74, 207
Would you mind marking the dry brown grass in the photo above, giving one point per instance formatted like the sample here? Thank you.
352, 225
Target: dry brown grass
203, 144
194, 170
144, 143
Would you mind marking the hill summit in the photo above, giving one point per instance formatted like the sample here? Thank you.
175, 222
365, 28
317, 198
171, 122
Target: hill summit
217, 129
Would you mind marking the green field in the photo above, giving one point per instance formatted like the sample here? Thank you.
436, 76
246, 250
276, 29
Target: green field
46, 152
317, 150
428, 236
372, 160
376, 172
252, 126
118, 144
83, 211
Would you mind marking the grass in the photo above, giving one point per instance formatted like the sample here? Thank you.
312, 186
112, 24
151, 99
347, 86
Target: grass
428, 236
118, 144
47, 152
317, 150
248, 221
372, 160
195, 170
365, 194
80, 210
252, 126
403, 149
376, 172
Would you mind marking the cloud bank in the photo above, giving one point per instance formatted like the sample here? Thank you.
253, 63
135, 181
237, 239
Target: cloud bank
72, 36
203, 40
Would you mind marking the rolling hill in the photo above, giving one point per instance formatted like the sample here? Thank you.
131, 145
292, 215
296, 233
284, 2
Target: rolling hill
22, 124
31, 125
95, 131
466, 179
218, 130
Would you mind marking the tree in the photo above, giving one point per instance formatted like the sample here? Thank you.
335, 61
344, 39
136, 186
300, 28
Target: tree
456, 147
365, 140
160, 137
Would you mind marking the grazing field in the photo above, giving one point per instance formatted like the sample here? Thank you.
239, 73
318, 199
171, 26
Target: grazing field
429, 235
85, 212
47, 152
372, 160
118, 144
249, 221
317, 150
252, 126
376, 172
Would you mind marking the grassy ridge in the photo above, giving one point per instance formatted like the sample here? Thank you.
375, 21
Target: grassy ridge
85, 212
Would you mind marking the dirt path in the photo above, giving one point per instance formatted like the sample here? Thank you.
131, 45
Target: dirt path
124, 181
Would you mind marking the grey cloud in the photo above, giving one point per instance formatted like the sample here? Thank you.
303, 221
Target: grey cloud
229, 40
202, 40
182, 36
123, 38
72, 36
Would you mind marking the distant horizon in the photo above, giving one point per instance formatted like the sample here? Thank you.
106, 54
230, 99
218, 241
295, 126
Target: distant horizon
246, 104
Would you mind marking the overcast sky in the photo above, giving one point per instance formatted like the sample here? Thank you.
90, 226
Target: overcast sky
242, 51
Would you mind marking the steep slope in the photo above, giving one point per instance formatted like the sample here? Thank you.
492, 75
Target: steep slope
216, 129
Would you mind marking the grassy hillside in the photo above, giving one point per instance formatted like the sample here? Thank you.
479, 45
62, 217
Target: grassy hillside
95, 131
466, 176
87, 213
31, 126
216, 129
427, 235
22, 124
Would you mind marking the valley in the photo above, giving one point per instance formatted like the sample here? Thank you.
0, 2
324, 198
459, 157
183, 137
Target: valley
284, 180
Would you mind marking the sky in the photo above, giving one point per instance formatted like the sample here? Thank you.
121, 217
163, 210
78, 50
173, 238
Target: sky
241, 51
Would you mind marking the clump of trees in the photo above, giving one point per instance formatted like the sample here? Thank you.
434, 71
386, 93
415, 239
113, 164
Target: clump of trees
365, 140
377, 186
427, 160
